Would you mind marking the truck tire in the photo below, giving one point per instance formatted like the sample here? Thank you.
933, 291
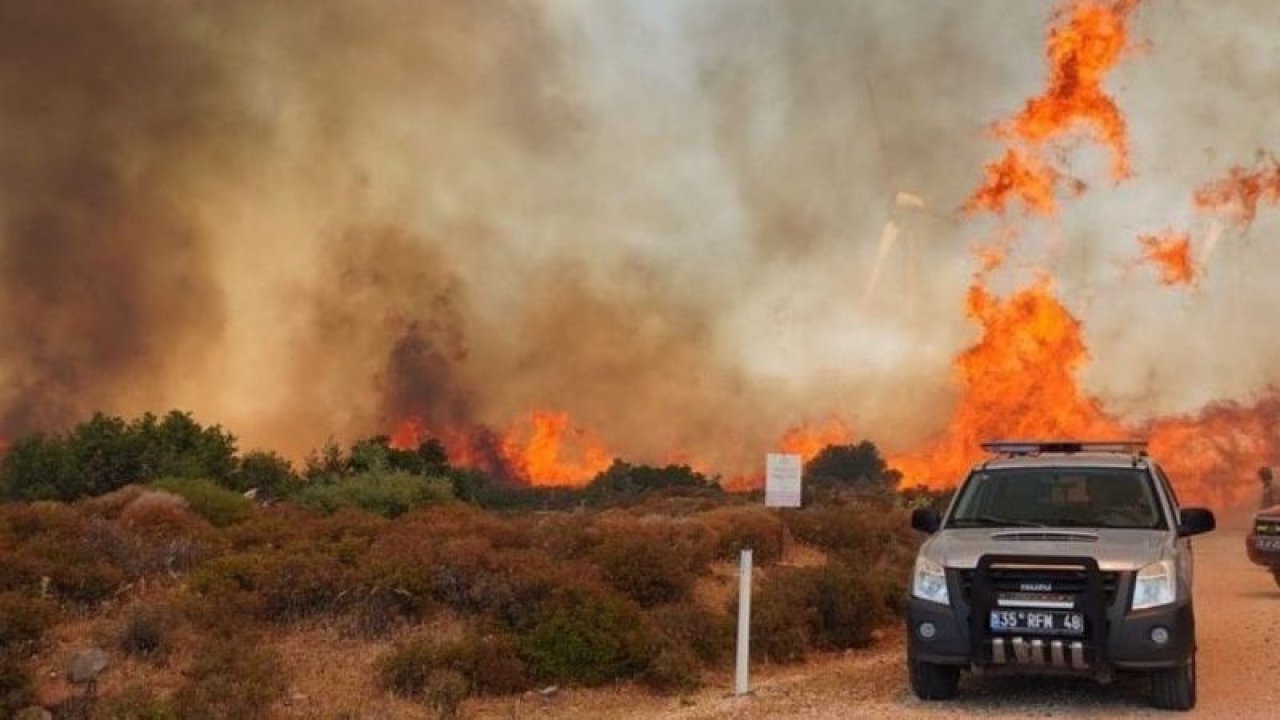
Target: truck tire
1175, 688
933, 682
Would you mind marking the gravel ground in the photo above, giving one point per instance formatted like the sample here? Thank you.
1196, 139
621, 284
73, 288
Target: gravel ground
1238, 617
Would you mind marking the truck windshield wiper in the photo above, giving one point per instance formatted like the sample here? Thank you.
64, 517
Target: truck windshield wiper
994, 521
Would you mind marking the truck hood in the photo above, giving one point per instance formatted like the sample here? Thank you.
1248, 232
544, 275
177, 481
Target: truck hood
1115, 550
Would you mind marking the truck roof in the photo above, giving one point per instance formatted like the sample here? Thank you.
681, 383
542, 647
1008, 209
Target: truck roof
1066, 459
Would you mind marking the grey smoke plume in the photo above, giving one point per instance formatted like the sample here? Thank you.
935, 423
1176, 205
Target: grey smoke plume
305, 220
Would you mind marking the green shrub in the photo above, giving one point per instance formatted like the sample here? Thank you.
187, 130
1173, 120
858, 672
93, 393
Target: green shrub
268, 473
582, 635
133, 703
389, 495
218, 505
231, 679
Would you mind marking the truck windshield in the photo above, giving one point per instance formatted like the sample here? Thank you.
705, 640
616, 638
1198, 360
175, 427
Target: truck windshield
1058, 497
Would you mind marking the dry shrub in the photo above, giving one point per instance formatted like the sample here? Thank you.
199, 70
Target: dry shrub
24, 620
147, 632
277, 586
673, 668
111, 504
445, 690
163, 535
742, 527
135, 702
708, 635
231, 679
487, 664
652, 561
80, 556
866, 530
783, 614
17, 689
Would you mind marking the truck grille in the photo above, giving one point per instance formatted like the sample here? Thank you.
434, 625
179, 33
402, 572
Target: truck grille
1060, 581
1266, 526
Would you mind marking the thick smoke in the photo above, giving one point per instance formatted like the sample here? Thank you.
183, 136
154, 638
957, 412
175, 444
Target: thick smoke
307, 220
113, 123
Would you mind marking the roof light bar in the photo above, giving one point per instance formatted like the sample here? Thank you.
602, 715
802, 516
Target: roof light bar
1030, 447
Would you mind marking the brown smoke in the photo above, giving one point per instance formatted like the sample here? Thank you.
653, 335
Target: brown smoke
111, 123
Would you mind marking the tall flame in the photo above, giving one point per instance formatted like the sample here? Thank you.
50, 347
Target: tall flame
1017, 381
1086, 41
548, 450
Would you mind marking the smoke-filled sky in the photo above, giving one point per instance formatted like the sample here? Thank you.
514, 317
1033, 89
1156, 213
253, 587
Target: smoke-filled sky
303, 220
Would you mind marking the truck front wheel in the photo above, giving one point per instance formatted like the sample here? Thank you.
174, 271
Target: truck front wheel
1175, 688
934, 682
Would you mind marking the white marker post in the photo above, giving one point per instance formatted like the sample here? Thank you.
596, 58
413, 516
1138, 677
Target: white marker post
742, 680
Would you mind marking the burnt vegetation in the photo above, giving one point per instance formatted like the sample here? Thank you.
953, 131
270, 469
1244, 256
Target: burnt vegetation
187, 555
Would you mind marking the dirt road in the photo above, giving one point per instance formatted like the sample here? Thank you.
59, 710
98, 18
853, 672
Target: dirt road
1238, 616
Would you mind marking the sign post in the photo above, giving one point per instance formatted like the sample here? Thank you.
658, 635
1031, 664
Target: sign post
742, 682
782, 480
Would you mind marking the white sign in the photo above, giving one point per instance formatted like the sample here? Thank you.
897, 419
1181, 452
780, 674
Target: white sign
782, 480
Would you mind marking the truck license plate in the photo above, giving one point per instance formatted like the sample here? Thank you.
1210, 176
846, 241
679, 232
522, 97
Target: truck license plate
1267, 543
1037, 621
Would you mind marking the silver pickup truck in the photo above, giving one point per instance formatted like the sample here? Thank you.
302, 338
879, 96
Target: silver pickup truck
1060, 557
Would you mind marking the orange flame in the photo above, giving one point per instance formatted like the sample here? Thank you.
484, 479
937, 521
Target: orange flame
1018, 175
1238, 194
1171, 255
1017, 381
550, 451
1086, 41
808, 440
1090, 37
544, 449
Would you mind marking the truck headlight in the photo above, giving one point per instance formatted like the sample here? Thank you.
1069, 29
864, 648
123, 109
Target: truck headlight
1156, 585
929, 581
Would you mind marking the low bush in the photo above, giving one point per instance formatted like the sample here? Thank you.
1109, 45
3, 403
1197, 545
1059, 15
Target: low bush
218, 505
147, 632
673, 668
388, 495
276, 586
133, 703
647, 562
17, 689
784, 614
487, 665
850, 605
589, 637
708, 635
231, 679
741, 527
24, 621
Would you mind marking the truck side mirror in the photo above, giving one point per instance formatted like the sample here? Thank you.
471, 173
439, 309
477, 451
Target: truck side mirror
1194, 520
926, 520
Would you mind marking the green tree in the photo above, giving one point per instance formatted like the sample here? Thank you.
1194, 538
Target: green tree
272, 475
857, 467
178, 446
39, 467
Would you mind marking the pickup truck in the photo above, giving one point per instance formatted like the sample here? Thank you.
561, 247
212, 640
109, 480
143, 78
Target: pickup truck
1057, 557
